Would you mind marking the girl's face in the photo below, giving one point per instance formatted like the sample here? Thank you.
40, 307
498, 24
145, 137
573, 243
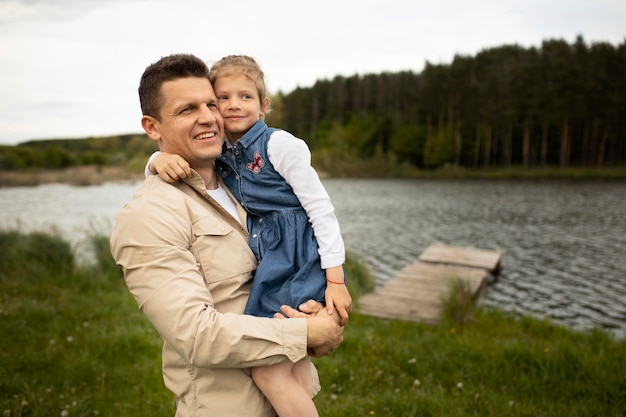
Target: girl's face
239, 104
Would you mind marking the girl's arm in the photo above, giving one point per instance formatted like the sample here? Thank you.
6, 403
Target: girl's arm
169, 166
291, 158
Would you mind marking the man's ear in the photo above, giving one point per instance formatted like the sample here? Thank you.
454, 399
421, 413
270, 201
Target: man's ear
151, 126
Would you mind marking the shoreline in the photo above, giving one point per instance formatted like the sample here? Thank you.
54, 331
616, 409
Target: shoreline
81, 176
97, 175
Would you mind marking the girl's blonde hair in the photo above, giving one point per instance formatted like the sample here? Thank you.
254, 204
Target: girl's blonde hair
242, 64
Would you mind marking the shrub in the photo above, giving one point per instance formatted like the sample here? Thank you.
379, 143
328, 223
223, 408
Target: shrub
459, 305
35, 251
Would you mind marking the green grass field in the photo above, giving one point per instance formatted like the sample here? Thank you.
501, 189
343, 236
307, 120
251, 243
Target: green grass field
73, 343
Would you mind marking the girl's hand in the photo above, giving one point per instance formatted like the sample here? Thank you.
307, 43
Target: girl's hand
337, 295
170, 167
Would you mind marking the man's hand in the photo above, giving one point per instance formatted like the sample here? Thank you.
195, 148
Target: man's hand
311, 307
324, 332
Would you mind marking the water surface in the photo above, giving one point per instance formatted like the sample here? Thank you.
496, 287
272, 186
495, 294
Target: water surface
564, 243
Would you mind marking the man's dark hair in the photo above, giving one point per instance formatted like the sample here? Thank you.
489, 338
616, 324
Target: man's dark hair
168, 68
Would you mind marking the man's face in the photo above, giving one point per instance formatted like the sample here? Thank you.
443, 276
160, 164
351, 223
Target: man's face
190, 125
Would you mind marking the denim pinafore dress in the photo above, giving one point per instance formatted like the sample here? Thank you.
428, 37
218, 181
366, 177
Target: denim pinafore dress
281, 236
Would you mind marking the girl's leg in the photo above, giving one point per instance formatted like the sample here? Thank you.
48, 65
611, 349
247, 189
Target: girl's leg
282, 385
302, 373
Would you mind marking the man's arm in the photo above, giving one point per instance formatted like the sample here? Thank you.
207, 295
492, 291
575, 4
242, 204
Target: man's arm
166, 278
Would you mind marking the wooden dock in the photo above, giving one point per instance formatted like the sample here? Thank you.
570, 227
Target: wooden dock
417, 292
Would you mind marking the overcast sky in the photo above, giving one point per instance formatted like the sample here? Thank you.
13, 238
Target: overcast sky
70, 68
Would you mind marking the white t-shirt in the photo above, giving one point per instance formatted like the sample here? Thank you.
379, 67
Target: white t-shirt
224, 200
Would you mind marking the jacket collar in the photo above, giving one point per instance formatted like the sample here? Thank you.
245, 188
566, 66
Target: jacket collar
197, 189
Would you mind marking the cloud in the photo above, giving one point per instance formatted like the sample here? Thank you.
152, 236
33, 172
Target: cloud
70, 68
13, 11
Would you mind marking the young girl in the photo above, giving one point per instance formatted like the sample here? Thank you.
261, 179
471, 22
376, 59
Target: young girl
293, 229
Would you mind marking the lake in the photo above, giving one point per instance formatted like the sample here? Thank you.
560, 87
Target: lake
564, 243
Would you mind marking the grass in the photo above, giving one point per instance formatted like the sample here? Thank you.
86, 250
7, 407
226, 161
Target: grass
73, 343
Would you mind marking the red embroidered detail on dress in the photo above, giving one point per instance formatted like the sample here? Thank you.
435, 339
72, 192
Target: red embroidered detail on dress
257, 164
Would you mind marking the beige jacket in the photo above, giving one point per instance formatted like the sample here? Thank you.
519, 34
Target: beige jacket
187, 263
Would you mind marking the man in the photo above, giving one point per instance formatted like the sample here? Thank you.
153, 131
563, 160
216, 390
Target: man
187, 262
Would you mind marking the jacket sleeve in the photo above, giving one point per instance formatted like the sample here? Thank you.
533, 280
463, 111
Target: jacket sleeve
151, 241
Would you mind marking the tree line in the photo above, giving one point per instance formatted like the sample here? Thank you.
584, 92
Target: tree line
117, 150
559, 104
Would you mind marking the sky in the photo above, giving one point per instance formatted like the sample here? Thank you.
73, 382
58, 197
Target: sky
70, 68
